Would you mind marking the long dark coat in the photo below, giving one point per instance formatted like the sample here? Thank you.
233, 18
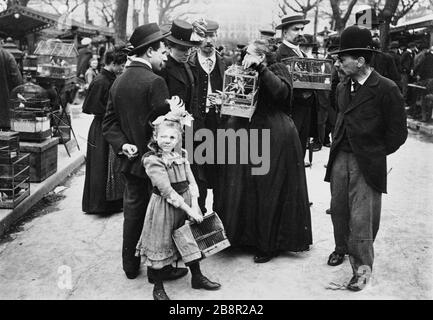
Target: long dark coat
136, 98
385, 65
95, 185
180, 82
10, 77
274, 214
375, 125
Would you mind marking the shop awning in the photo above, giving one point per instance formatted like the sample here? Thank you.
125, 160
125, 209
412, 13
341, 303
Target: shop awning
19, 21
425, 22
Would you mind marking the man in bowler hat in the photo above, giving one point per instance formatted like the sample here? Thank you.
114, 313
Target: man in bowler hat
292, 28
382, 62
136, 98
371, 124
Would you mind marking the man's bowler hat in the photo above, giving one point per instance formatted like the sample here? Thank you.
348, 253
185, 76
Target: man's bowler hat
289, 20
355, 38
145, 35
181, 32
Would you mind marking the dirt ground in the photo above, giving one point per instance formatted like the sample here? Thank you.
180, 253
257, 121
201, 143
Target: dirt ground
40, 254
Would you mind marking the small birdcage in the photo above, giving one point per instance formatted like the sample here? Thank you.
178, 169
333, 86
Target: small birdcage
308, 73
198, 241
239, 89
56, 59
14, 181
9, 146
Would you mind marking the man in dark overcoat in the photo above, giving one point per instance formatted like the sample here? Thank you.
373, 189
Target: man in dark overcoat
10, 77
371, 124
208, 68
303, 100
407, 66
136, 98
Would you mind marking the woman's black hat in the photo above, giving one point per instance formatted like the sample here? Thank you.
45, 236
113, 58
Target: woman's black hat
181, 32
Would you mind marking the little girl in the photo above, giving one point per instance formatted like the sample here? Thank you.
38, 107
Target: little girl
174, 199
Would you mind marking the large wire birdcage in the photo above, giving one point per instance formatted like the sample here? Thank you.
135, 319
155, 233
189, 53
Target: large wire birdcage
309, 73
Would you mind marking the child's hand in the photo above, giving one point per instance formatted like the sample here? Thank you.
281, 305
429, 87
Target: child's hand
195, 215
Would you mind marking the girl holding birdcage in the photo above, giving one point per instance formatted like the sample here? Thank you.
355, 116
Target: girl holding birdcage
174, 200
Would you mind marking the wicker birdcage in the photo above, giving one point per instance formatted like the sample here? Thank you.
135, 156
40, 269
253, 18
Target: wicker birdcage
239, 89
308, 73
198, 241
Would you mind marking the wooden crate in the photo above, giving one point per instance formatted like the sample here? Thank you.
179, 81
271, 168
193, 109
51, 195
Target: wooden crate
43, 158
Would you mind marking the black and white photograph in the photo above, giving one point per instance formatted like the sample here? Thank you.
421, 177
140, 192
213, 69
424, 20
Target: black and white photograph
219, 153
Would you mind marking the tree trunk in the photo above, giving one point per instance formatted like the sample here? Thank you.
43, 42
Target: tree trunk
86, 11
387, 13
121, 15
146, 11
135, 21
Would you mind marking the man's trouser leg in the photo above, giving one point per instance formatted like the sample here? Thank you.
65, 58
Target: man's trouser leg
135, 200
339, 203
364, 205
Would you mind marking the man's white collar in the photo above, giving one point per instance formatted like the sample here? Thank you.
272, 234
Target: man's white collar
135, 58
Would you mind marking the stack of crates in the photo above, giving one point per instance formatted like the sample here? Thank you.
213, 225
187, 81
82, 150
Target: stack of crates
14, 171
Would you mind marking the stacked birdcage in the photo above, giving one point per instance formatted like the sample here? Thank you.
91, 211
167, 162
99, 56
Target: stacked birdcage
30, 109
197, 241
56, 59
309, 73
14, 171
239, 89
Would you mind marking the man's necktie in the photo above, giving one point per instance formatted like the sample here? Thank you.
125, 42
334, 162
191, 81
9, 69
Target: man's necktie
356, 85
209, 65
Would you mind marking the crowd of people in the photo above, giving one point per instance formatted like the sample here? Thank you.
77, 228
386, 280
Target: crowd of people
177, 73
142, 95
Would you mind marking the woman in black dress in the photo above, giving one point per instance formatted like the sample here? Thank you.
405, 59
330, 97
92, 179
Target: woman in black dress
103, 186
278, 215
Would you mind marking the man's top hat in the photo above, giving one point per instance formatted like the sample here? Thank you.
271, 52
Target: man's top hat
181, 32
211, 26
289, 20
367, 18
145, 35
394, 45
355, 38
267, 33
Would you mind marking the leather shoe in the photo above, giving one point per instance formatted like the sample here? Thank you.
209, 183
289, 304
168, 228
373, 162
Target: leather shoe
335, 259
263, 257
201, 282
169, 273
357, 283
159, 294
132, 275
